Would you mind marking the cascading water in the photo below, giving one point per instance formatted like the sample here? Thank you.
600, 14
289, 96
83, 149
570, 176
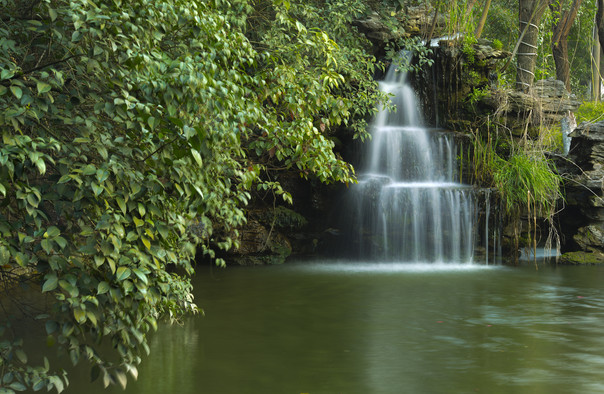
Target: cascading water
408, 205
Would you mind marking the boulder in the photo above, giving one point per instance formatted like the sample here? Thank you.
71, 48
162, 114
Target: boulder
260, 245
581, 258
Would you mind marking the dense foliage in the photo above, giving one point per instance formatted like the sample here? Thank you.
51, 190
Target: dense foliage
132, 135
502, 24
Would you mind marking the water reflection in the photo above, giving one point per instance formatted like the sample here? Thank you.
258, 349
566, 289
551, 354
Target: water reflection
340, 328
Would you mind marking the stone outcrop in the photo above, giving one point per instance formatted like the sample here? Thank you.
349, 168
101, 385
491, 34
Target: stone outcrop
410, 21
548, 97
259, 245
582, 220
547, 104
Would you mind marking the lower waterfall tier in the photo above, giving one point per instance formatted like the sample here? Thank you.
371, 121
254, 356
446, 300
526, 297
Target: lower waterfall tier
412, 222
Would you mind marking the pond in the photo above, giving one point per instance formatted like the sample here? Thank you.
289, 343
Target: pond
349, 327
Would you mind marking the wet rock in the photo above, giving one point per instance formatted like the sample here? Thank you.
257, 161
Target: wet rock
590, 238
260, 245
582, 220
576, 258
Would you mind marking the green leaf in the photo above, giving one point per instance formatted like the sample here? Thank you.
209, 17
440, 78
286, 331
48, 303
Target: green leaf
90, 168
111, 265
197, 157
43, 87
102, 175
2, 190
17, 386
17, 92
79, 315
98, 260
103, 287
123, 273
41, 166
21, 356
163, 230
92, 317
107, 248
33, 200
141, 275
57, 383
121, 378
121, 204
141, 209
52, 232
50, 283
62, 242
71, 289
64, 179
96, 188
46, 245
146, 242
94, 373
7, 74
51, 327
52, 13
21, 259
152, 122
128, 286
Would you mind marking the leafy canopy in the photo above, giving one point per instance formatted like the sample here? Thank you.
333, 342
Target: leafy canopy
132, 135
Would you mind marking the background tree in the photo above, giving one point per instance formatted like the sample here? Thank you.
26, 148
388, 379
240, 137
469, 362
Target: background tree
597, 52
529, 16
483, 19
563, 21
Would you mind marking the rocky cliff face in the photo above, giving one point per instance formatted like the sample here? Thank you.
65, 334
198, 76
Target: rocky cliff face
582, 220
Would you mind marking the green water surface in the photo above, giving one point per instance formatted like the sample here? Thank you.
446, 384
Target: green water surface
338, 327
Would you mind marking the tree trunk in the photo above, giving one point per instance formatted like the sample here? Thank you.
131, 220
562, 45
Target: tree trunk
564, 22
560, 53
600, 21
483, 19
529, 15
595, 68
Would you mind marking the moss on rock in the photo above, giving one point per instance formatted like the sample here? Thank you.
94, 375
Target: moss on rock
582, 258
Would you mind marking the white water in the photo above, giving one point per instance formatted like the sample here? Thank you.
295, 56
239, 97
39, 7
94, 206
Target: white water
388, 267
408, 204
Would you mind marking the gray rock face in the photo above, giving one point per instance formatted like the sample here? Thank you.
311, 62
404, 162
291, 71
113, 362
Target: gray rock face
411, 22
554, 99
582, 220
548, 98
260, 245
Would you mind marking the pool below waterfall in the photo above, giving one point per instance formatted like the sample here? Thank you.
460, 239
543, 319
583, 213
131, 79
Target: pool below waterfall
325, 327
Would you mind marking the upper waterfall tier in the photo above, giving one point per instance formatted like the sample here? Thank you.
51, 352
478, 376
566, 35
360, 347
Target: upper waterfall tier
402, 148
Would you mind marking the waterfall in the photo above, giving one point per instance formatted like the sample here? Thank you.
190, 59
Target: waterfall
567, 126
408, 205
